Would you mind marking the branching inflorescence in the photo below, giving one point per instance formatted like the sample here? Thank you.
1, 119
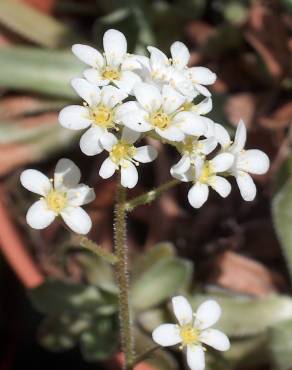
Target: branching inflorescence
127, 98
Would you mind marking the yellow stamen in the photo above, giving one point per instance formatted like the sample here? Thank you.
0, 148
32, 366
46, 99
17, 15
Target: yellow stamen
189, 335
160, 120
207, 172
121, 152
102, 116
56, 201
111, 74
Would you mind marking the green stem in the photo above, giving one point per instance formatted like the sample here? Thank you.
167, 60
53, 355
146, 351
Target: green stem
122, 278
97, 249
149, 196
145, 354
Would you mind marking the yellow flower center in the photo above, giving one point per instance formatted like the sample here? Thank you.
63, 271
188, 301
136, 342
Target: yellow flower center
189, 335
188, 106
122, 151
56, 200
160, 120
111, 74
206, 173
102, 116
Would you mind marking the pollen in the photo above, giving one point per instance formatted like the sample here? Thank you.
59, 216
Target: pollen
102, 116
111, 74
189, 335
160, 120
122, 151
56, 201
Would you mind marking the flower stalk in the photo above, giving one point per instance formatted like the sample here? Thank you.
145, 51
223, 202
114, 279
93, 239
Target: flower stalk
97, 249
122, 278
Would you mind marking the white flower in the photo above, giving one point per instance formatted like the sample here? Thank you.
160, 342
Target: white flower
252, 161
191, 149
62, 196
193, 331
110, 67
188, 81
124, 155
99, 112
162, 112
204, 174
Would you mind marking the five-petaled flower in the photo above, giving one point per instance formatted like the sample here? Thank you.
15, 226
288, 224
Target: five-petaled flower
63, 196
193, 331
110, 67
125, 156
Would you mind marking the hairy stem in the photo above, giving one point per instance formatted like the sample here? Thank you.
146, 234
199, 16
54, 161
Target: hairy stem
149, 196
122, 278
97, 249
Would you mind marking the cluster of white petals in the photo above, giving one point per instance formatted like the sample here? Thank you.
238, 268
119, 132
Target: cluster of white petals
193, 331
128, 97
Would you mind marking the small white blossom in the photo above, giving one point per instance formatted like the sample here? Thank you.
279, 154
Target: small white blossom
204, 174
112, 66
125, 156
99, 112
252, 161
162, 112
193, 331
63, 196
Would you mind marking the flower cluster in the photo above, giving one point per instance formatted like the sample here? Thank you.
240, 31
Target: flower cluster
127, 97
193, 331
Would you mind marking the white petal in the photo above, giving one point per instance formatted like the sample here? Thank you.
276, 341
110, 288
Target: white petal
222, 136
129, 175
74, 117
158, 59
90, 141
202, 90
222, 162
145, 154
77, 219
88, 55
171, 133
182, 165
180, 54
171, 99
108, 140
208, 145
125, 108
202, 75
130, 136
80, 195
86, 90
205, 106
94, 76
210, 127
253, 161
67, 174
190, 123
198, 195
127, 81
166, 335
221, 185
246, 186
137, 120
207, 314
240, 138
115, 47
182, 310
35, 181
111, 96
184, 177
107, 168
39, 216
148, 96
196, 357
216, 339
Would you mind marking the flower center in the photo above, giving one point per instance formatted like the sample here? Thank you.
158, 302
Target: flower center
122, 151
102, 116
188, 106
189, 335
206, 173
111, 74
56, 200
160, 120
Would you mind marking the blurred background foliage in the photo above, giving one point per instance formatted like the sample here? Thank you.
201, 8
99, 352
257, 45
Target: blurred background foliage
240, 253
